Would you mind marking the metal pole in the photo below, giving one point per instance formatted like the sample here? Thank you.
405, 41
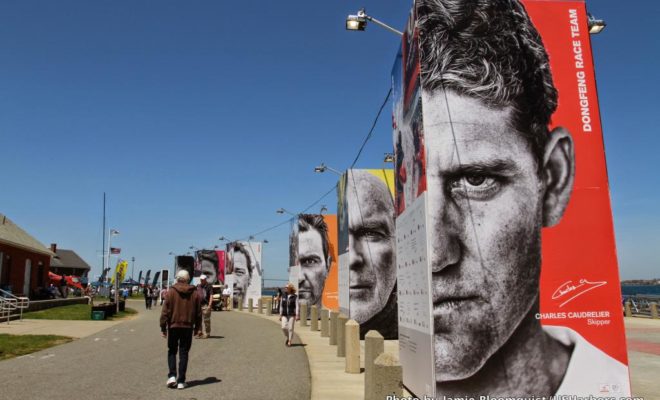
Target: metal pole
117, 292
132, 267
384, 25
107, 254
103, 244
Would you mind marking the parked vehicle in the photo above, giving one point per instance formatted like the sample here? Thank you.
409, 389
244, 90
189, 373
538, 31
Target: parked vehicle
217, 303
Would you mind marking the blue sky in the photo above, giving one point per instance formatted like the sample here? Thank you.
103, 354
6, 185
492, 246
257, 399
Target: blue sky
200, 119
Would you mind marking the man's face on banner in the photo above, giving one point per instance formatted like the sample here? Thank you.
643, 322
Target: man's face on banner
485, 209
371, 244
313, 266
210, 269
241, 274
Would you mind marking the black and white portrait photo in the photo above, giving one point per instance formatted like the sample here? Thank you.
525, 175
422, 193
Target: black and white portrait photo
371, 253
243, 268
496, 174
313, 257
207, 260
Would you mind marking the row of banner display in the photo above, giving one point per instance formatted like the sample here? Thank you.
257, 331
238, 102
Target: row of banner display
346, 262
313, 258
239, 268
488, 251
506, 270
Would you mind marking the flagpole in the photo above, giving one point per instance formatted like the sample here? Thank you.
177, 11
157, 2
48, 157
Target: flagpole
112, 232
103, 267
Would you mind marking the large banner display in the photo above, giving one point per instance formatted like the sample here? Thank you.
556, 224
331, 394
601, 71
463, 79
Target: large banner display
165, 278
331, 287
244, 262
367, 262
314, 251
212, 264
181, 262
507, 273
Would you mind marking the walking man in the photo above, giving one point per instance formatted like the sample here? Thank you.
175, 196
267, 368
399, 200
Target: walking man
180, 316
147, 296
205, 293
226, 294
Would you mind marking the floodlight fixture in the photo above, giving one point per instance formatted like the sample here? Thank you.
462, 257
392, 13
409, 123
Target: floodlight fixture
359, 22
322, 168
595, 25
284, 210
356, 23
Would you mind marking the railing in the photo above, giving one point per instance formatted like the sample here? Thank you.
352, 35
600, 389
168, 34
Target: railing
9, 304
641, 304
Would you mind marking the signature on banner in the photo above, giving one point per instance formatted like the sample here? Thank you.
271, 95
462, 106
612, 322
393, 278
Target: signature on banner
569, 290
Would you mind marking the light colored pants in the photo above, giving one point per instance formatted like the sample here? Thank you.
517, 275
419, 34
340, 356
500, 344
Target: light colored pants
287, 327
206, 315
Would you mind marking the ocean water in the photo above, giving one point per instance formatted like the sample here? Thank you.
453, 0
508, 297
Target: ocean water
631, 290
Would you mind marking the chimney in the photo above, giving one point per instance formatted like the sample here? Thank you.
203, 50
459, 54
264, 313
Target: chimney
53, 247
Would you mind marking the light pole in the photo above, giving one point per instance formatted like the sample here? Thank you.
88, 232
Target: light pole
322, 168
114, 232
132, 268
359, 22
263, 272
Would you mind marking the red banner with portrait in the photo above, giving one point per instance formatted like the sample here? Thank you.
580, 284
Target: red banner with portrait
506, 259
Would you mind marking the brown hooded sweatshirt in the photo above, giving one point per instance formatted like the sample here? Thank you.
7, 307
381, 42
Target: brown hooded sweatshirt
181, 309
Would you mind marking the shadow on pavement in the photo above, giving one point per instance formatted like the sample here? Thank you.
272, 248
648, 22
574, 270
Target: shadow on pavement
298, 345
205, 381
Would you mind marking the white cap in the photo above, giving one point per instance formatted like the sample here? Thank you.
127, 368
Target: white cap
182, 276
204, 277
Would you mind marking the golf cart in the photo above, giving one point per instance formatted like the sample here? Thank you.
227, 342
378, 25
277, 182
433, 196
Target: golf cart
217, 303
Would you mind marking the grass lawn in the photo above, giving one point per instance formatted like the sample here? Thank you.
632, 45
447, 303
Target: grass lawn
73, 312
17, 345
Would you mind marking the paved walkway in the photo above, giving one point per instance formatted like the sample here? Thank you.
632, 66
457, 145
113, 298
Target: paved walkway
128, 361
245, 358
643, 337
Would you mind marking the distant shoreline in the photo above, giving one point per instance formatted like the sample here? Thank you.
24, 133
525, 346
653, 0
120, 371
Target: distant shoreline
640, 284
